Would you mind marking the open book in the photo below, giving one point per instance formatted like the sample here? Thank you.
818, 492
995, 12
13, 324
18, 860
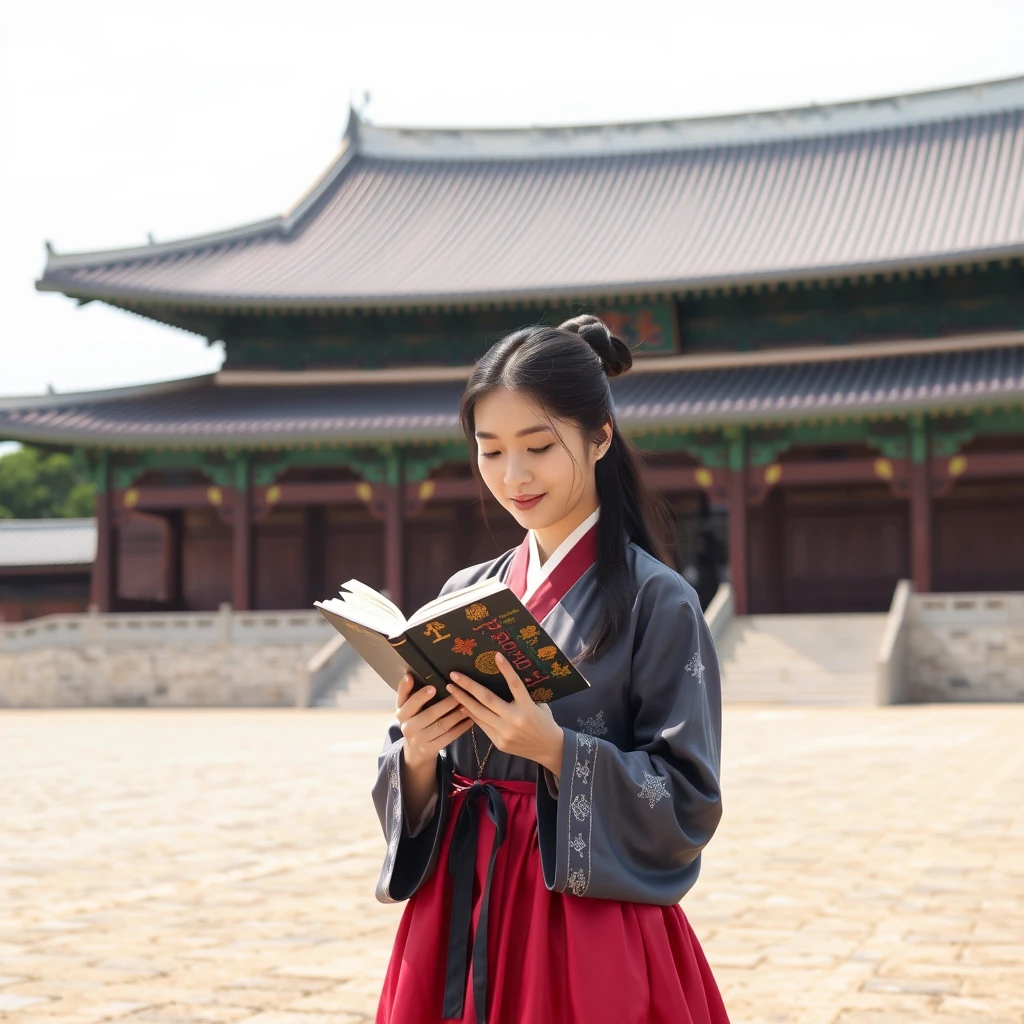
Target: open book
459, 632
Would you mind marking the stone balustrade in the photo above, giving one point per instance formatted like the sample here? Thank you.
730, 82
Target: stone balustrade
222, 658
966, 647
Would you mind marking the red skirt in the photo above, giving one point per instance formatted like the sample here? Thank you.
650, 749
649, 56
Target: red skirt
550, 956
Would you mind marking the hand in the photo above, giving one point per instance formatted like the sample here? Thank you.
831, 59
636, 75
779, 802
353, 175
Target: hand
427, 730
518, 727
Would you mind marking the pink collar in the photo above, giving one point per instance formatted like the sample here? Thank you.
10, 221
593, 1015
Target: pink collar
562, 579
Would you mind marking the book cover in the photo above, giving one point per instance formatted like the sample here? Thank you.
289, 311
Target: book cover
467, 639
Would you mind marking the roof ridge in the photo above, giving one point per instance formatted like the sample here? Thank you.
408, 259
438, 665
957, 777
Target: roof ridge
706, 131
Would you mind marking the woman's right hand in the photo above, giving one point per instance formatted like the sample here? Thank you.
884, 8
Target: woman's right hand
428, 731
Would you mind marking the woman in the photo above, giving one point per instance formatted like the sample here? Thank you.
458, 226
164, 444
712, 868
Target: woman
544, 849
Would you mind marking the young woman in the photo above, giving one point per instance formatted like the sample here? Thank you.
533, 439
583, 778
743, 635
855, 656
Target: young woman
544, 849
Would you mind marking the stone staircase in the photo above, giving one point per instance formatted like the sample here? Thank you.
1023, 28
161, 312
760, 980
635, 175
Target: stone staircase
355, 687
801, 659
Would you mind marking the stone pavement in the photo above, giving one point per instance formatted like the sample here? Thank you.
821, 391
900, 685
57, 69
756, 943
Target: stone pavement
204, 866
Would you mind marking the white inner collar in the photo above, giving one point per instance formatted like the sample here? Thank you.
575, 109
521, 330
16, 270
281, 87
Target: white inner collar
536, 573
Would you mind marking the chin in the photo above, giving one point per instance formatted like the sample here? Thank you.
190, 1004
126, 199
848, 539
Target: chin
533, 518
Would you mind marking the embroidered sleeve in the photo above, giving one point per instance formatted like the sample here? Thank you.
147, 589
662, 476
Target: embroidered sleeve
412, 847
631, 824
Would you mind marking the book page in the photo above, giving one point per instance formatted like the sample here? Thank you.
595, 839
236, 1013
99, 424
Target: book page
456, 599
365, 594
364, 615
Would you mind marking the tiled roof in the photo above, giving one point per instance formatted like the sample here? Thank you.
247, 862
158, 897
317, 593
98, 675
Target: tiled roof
198, 412
36, 542
409, 217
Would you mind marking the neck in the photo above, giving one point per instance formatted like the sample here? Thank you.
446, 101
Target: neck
549, 537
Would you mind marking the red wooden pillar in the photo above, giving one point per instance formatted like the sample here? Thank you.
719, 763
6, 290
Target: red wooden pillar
394, 543
920, 528
738, 561
394, 528
241, 554
920, 508
102, 583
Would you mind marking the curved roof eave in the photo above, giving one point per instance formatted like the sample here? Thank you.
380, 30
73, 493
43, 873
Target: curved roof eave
577, 291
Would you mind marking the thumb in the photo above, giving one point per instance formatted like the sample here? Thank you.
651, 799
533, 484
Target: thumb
404, 689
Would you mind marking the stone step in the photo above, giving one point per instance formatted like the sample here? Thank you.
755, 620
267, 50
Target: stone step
811, 659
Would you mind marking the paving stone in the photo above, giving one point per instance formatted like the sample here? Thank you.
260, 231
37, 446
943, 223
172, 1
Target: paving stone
208, 866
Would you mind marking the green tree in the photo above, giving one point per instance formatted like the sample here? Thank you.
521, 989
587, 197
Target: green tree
35, 484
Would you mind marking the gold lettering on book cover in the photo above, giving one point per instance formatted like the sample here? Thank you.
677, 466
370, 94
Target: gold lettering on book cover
542, 695
547, 653
558, 669
463, 646
434, 629
487, 663
529, 633
476, 612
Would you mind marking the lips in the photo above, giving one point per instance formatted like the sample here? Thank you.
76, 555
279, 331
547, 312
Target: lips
526, 501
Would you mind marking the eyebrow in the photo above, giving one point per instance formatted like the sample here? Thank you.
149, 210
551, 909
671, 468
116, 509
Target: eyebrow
519, 433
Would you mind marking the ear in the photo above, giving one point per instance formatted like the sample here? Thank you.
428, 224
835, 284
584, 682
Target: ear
606, 441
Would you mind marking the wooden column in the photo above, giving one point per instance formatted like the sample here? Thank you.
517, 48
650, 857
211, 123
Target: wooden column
394, 544
394, 531
103, 583
315, 544
241, 553
738, 562
920, 509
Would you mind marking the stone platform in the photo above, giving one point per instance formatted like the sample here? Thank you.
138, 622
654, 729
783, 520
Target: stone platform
180, 866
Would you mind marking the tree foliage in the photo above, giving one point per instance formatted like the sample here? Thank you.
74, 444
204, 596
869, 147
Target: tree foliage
35, 484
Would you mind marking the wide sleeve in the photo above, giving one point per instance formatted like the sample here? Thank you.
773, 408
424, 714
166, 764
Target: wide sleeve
413, 847
631, 824
411, 855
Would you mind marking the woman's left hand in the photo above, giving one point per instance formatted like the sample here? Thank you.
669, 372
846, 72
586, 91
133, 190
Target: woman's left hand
518, 726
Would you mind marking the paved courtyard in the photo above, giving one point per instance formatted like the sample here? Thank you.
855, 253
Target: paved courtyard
207, 866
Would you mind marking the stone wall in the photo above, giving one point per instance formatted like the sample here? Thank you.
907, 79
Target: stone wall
966, 647
222, 659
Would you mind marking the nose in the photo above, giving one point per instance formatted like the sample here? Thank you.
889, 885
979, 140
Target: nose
517, 473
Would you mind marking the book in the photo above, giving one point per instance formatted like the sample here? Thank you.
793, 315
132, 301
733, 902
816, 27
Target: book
459, 632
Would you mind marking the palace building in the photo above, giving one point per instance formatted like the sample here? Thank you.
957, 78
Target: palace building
828, 309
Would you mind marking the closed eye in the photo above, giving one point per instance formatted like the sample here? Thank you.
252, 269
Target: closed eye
489, 455
537, 451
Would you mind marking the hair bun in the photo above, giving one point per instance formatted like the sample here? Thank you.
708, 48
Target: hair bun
613, 352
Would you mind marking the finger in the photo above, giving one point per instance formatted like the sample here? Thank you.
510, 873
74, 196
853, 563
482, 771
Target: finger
520, 694
480, 692
405, 686
455, 732
446, 724
428, 717
414, 704
485, 716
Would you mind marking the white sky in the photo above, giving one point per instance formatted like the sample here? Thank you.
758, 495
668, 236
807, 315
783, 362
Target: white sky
120, 118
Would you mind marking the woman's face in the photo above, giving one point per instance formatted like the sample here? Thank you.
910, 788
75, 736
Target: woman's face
540, 476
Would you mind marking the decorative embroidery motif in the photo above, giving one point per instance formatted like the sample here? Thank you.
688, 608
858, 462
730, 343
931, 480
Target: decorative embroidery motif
594, 725
581, 821
396, 804
695, 668
581, 805
654, 788
577, 882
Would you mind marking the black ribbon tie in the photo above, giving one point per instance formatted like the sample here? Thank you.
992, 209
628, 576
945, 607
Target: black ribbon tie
462, 868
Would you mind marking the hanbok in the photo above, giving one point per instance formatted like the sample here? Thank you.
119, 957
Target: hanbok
533, 899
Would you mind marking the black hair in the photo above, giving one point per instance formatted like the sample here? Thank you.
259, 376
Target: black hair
565, 370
